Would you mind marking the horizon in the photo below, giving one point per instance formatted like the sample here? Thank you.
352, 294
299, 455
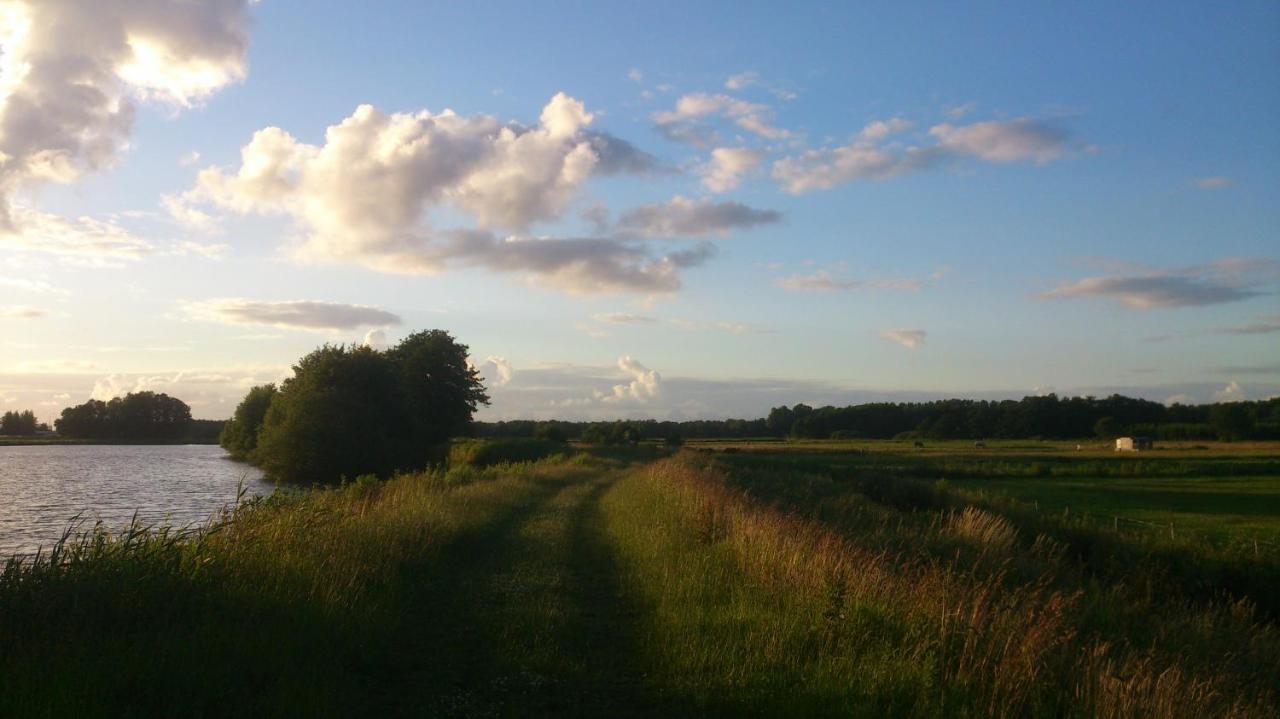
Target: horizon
685, 220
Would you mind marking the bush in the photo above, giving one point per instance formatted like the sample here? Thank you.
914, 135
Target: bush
350, 411
240, 434
485, 453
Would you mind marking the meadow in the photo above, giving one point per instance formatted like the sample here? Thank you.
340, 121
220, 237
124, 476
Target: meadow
725, 578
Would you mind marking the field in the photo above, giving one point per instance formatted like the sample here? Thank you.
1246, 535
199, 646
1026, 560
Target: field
726, 578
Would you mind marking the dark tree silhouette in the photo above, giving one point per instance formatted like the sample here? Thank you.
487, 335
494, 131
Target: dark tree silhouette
18, 423
240, 434
136, 416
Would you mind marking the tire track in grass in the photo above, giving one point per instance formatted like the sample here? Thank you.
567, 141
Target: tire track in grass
522, 617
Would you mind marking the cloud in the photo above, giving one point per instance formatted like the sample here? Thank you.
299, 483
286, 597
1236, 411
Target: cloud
1233, 392
1003, 141
69, 71
873, 156
1216, 182
621, 318
577, 265
684, 217
911, 339
683, 123
1220, 282
189, 159
634, 75
84, 240
362, 196
818, 281
727, 166
741, 81
496, 371
375, 339
21, 312
297, 314
645, 383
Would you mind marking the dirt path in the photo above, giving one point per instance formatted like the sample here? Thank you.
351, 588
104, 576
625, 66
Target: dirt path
525, 616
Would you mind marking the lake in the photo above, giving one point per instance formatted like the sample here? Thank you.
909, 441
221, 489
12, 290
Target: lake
43, 487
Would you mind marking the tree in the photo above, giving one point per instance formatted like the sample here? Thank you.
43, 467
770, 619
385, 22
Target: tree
136, 416
240, 434
18, 423
350, 411
1231, 420
1107, 428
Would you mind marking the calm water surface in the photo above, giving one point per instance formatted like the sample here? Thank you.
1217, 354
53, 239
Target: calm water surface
43, 487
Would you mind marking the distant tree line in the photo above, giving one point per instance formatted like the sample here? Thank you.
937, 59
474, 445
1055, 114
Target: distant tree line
349, 411
1047, 416
20, 424
136, 416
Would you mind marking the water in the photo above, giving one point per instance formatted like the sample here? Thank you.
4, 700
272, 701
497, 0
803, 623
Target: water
43, 487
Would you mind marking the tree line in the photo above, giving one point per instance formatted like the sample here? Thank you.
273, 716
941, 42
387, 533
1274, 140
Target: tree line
135, 416
1047, 417
20, 424
349, 411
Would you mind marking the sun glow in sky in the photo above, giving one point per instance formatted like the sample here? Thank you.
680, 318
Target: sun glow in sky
669, 210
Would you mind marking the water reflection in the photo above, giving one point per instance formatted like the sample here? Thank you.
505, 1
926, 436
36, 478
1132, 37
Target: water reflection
43, 487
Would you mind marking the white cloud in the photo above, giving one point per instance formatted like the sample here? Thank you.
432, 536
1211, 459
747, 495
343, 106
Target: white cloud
685, 217
872, 156
69, 68
741, 81
645, 383
728, 165
682, 122
622, 318
1219, 282
911, 339
1003, 141
362, 196
1216, 182
83, 239
375, 339
1233, 392
295, 314
635, 75
189, 159
496, 371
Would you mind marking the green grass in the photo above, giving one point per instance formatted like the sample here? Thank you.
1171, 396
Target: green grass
624, 581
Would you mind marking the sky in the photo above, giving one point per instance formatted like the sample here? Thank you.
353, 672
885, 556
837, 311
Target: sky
670, 210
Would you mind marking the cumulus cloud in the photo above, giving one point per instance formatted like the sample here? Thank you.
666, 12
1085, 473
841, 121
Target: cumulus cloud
685, 217
296, 314
69, 71
1220, 282
1233, 392
645, 383
361, 197
911, 339
873, 155
496, 371
728, 165
686, 121
375, 339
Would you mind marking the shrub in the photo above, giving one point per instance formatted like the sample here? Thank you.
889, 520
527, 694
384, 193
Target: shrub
485, 453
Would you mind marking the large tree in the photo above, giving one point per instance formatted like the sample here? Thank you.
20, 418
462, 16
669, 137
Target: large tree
348, 411
136, 416
18, 423
240, 434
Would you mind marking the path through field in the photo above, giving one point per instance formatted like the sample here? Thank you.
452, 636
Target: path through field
525, 616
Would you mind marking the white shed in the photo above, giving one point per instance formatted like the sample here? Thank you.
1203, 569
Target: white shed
1132, 444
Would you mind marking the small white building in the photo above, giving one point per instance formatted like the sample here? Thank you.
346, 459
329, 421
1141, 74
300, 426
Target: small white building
1133, 444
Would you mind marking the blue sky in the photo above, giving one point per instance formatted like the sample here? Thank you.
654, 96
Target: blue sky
656, 210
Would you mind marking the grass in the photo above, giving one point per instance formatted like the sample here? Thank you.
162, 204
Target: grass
625, 581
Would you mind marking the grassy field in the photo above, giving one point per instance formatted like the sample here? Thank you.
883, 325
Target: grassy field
770, 580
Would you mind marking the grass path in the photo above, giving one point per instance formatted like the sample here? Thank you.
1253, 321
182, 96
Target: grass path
523, 616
